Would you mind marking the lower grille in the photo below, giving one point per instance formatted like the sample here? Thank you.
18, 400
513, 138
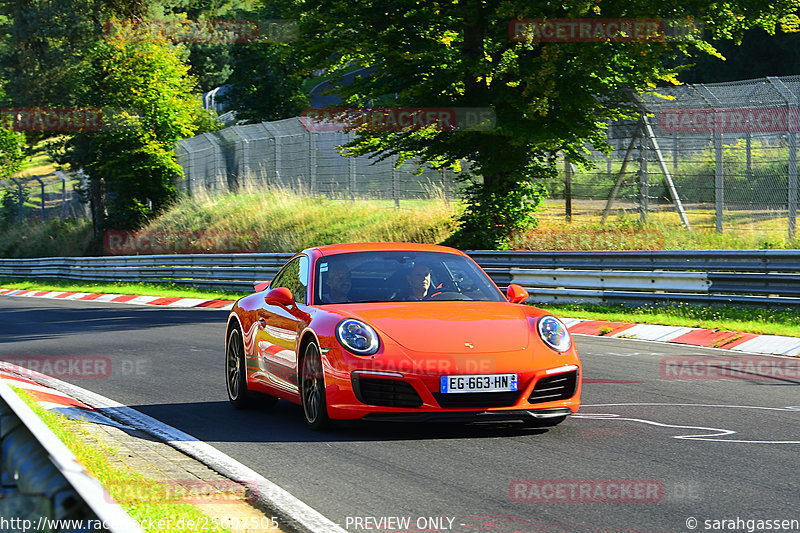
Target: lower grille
385, 392
477, 399
558, 387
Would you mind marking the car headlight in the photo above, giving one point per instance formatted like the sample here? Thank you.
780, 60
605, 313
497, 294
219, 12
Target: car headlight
554, 333
357, 337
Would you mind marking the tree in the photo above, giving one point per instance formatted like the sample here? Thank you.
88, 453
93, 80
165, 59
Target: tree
47, 41
12, 147
146, 94
267, 75
759, 55
546, 96
266, 82
12, 156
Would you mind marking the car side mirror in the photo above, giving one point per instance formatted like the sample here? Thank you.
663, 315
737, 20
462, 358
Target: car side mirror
516, 294
279, 296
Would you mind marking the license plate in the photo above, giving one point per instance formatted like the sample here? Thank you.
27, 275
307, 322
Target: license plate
479, 383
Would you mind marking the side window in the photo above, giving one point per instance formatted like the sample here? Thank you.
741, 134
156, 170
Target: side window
294, 277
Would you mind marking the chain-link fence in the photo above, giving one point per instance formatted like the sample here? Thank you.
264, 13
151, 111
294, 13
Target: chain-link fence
51, 196
718, 156
285, 154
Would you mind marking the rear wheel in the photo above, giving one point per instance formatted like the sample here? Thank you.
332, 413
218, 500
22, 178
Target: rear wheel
236, 376
236, 371
312, 389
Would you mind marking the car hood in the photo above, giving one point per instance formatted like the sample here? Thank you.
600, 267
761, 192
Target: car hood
449, 327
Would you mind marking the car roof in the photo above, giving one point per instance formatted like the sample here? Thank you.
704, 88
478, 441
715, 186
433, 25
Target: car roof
333, 249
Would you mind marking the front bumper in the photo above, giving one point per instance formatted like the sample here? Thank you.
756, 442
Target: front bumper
552, 392
525, 416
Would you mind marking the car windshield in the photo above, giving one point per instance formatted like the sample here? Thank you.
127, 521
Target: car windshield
399, 276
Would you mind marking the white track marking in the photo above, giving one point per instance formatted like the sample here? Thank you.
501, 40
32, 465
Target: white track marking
712, 432
300, 516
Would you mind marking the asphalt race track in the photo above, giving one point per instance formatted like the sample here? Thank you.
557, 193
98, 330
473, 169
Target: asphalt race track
663, 451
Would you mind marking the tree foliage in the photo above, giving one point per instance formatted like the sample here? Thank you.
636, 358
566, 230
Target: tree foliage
266, 81
12, 149
146, 93
547, 97
12, 156
759, 55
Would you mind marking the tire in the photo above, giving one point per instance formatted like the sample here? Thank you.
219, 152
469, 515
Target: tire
312, 389
236, 377
236, 371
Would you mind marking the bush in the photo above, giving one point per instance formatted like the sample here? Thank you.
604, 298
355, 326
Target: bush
9, 204
496, 212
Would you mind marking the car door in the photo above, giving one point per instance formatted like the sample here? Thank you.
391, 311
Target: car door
279, 327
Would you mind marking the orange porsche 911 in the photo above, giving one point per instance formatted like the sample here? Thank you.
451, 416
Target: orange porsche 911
406, 332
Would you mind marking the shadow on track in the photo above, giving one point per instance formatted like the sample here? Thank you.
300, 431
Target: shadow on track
25, 322
219, 422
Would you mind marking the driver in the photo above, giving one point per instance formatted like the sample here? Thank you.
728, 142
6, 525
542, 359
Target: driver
337, 288
418, 283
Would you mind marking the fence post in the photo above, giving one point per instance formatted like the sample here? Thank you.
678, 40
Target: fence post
719, 184
395, 183
446, 185
792, 184
278, 156
351, 166
675, 152
41, 186
63, 193
312, 162
608, 157
568, 190
19, 200
748, 139
650, 136
644, 182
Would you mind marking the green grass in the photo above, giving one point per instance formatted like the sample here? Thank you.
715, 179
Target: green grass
742, 230
141, 289
145, 500
46, 239
288, 222
742, 320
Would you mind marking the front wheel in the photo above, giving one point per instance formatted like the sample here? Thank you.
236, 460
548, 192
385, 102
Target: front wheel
312, 389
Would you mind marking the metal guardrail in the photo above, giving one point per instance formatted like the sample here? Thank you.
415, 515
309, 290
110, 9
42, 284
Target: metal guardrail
44, 486
700, 260
221, 272
749, 277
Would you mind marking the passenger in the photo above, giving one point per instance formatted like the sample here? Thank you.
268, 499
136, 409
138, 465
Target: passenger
418, 281
338, 283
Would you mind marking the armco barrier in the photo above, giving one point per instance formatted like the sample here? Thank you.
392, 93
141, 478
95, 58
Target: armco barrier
749, 277
45, 488
698, 260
